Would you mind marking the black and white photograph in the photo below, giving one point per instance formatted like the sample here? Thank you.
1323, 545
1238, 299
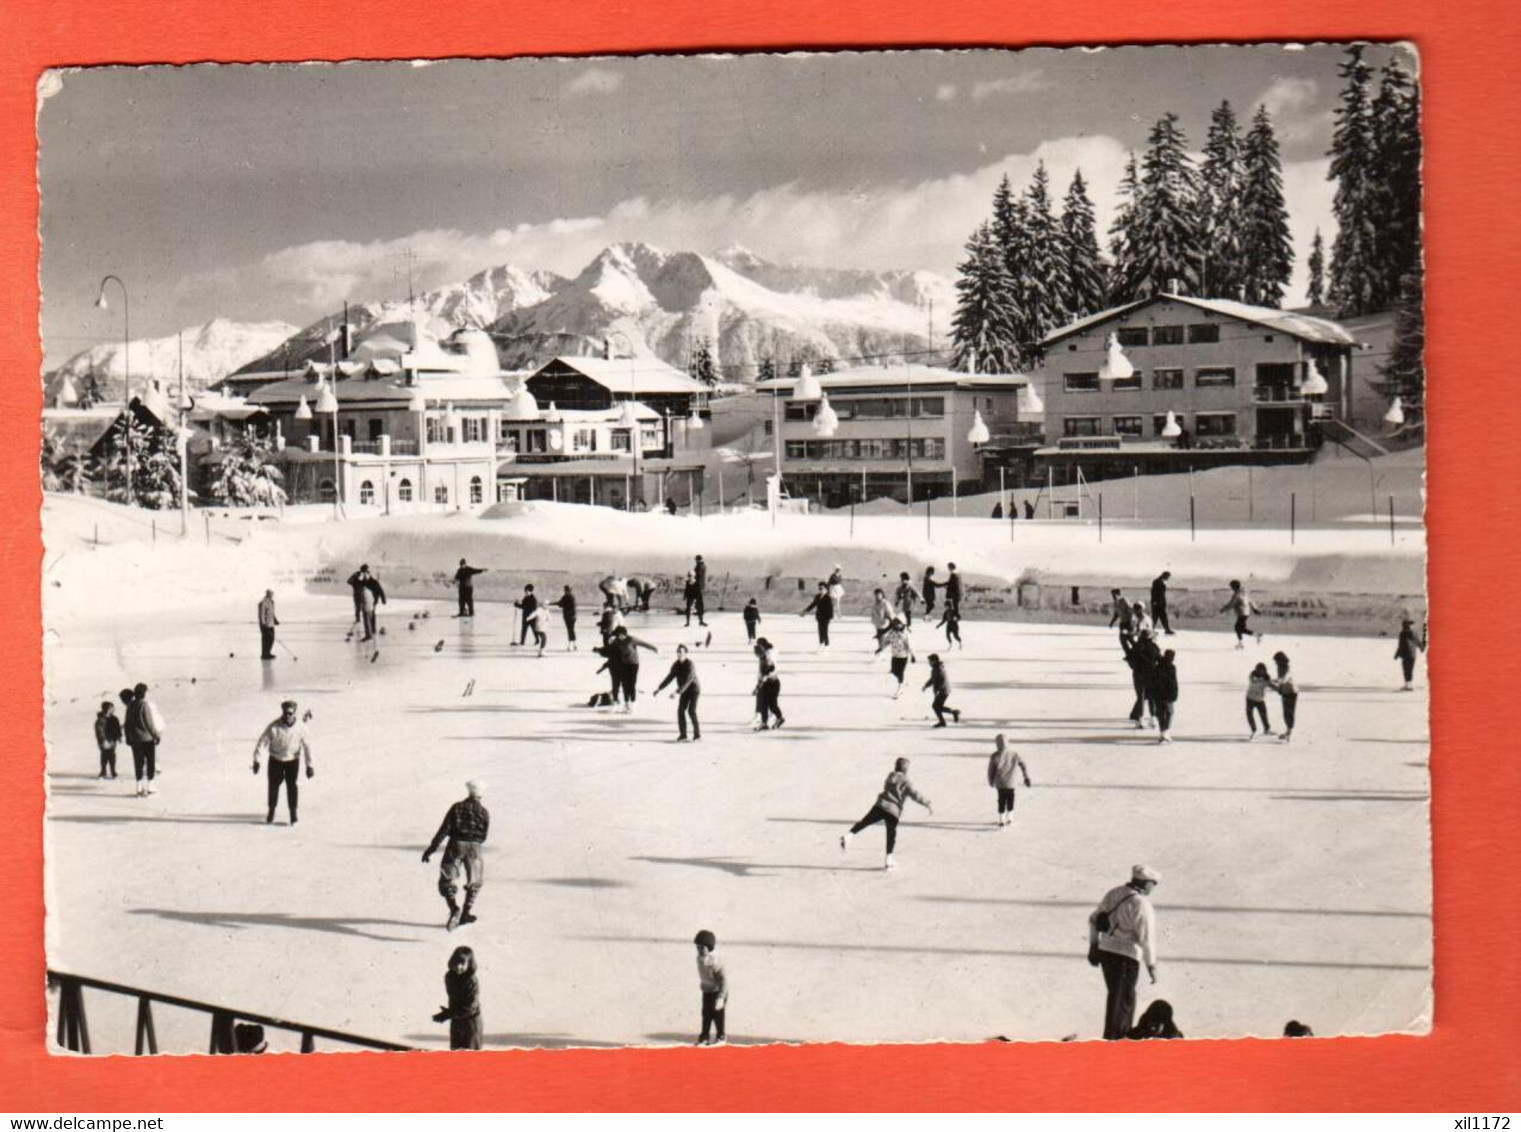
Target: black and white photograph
846, 546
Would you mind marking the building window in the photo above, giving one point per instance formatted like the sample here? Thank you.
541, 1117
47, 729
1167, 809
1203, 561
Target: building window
618, 439
770, 428
366, 492
1133, 336
1214, 377
584, 440
1203, 332
800, 411
1080, 426
1167, 379
535, 440
434, 430
1215, 424
1159, 422
477, 489
475, 429
1080, 382
1127, 384
1127, 426
404, 491
1167, 336
327, 492
440, 493
377, 427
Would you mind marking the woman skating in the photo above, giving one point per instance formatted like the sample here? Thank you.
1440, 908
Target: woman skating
1283, 684
888, 809
897, 642
768, 687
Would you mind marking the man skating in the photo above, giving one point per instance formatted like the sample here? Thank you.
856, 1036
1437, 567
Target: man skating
684, 674
1241, 604
905, 597
822, 608
531, 613
567, 604
1159, 602
929, 587
368, 593
267, 623
285, 740
464, 581
940, 681
953, 587
465, 826
700, 576
1120, 934
888, 809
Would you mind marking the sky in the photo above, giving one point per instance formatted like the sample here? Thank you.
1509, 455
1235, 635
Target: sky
277, 192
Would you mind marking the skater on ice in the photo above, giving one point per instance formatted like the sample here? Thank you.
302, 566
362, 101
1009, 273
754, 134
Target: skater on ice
1142, 656
929, 586
953, 587
888, 809
1240, 603
368, 594
1164, 685
462, 834
714, 985
623, 661
267, 623
1122, 615
683, 674
700, 576
822, 608
904, 599
1003, 766
286, 743
752, 617
1406, 651
107, 736
692, 598
881, 614
144, 729
529, 605
464, 581
940, 681
901, 652
1159, 602
768, 687
463, 988
567, 605
1121, 931
950, 621
1257, 684
1288, 694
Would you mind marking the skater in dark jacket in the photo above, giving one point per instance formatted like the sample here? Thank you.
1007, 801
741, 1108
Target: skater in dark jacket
940, 681
683, 674
367, 595
1257, 684
768, 687
1142, 656
1164, 683
752, 619
888, 809
107, 736
624, 657
465, 827
1159, 618
822, 608
531, 614
905, 598
567, 604
951, 621
953, 587
1406, 651
929, 586
464, 579
462, 985
1283, 684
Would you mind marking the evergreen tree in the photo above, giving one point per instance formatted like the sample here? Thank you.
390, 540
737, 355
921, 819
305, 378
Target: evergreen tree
1396, 182
700, 367
1122, 271
1405, 371
824, 365
1354, 283
1165, 236
767, 369
985, 329
1220, 219
248, 475
1267, 252
1042, 283
155, 463
1317, 266
1085, 268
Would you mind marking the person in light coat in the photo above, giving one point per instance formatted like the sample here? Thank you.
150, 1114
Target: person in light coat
1121, 936
1003, 766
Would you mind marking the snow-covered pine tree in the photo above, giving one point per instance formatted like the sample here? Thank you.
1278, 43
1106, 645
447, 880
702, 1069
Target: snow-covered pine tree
248, 475
1085, 266
155, 463
1220, 219
767, 369
1354, 283
701, 366
1405, 371
1316, 294
1396, 131
1043, 286
1122, 269
824, 365
985, 329
1166, 248
1267, 251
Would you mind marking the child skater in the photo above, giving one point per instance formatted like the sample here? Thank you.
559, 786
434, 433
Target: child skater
1241, 603
1002, 767
888, 809
951, 620
530, 607
752, 620
714, 984
940, 681
896, 639
464, 1010
107, 736
1257, 685
1283, 684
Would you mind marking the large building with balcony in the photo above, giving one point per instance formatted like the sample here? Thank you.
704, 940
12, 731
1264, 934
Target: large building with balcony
404, 422
902, 431
1241, 384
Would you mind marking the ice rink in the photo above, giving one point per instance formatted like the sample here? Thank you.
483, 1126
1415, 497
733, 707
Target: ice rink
1296, 879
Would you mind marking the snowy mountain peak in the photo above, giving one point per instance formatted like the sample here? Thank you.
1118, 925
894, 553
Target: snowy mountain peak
211, 352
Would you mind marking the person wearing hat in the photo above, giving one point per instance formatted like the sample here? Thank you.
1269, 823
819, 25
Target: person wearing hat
1120, 934
267, 623
714, 984
464, 579
368, 594
465, 826
285, 740
248, 1037
1406, 651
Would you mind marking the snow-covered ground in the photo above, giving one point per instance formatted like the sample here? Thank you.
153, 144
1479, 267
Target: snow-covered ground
1296, 878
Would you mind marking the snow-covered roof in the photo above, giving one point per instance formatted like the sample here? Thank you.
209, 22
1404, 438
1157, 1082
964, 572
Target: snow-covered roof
590, 416
644, 374
461, 389
1299, 325
900, 374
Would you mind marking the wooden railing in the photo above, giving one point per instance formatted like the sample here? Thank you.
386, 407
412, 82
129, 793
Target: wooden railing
74, 1031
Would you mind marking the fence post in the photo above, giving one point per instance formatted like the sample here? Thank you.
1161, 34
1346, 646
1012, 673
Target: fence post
97, 534
1391, 520
1191, 528
73, 1030
207, 517
1293, 507
221, 1032
1101, 516
145, 1035
927, 536
153, 525
308, 1042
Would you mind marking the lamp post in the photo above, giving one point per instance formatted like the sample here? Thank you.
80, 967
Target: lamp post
327, 402
126, 369
629, 418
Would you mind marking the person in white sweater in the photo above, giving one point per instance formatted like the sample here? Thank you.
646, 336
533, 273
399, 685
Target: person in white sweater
1121, 935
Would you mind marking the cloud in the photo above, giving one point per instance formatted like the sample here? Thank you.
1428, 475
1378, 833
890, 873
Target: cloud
917, 225
1027, 83
946, 92
594, 80
1295, 109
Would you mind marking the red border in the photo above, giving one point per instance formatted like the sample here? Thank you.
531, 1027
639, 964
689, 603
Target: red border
1469, 1063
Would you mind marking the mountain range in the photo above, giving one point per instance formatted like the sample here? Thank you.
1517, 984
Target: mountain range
211, 352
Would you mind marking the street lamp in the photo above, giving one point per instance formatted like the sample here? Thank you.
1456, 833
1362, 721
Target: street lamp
1116, 364
1396, 414
629, 418
978, 434
327, 402
826, 421
1172, 430
126, 368
1029, 402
